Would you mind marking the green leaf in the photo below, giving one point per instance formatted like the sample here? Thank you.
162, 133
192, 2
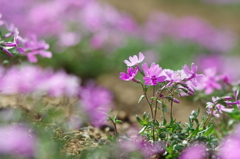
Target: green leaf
198, 111
156, 123
164, 121
142, 129
154, 98
144, 116
139, 120
195, 132
148, 117
208, 130
141, 98
146, 89
118, 121
164, 108
112, 118
160, 102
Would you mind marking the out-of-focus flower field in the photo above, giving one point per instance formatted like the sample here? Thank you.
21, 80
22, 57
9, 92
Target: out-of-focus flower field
65, 90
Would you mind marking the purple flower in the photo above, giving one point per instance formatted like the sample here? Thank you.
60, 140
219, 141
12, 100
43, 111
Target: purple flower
192, 75
17, 140
211, 81
1, 21
236, 98
13, 31
153, 75
17, 42
134, 60
33, 47
172, 76
218, 108
33, 79
197, 151
14, 44
96, 102
6, 51
131, 73
230, 145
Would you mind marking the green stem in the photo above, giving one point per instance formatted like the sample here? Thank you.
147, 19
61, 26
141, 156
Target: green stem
171, 106
115, 127
145, 93
209, 117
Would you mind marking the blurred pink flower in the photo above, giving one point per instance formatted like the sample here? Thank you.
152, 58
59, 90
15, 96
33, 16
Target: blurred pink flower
33, 79
230, 145
1, 21
96, 102
33, 47
17, 140
211, 80
215, 108
197, 151
192, 76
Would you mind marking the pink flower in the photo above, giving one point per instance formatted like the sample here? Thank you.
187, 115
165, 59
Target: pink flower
33, 79
236, 93
131, 73
134, 60
96, 102
17, 140
172, 76
230, 145
153, 75
218, 108
192, 75
194, 152
34, 47
1, 21
211, 82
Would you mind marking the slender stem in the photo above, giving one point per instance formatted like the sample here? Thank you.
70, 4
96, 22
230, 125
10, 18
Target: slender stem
163, 112
154, 119
145, 93
155, 113
155, 109
171, 111
171, 107
209, 117
115, 127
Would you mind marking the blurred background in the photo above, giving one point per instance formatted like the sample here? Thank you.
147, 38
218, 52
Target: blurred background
92, 38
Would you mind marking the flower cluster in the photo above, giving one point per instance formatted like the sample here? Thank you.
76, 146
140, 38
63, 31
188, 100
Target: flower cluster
221, 72
108, 27
219, 105
154, 74
33, 79
100, 23
196, 30
223, 104
12, 44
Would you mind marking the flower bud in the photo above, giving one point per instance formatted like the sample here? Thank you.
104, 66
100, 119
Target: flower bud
176, 100
6, 51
